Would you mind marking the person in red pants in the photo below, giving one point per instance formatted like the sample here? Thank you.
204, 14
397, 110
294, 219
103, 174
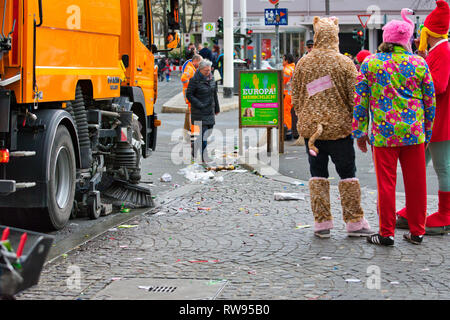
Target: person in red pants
434, 35
396, 86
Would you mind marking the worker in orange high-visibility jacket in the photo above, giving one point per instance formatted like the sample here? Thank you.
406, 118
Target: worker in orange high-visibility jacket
188, 70
288, 72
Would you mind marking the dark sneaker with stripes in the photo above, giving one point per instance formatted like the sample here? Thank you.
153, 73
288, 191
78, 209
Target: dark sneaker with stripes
413, 239
380, 240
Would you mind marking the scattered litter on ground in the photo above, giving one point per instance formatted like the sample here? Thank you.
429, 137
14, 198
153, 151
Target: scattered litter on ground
206, 209
166, 177
124, 209
146, 288
252, 272
303, 226
279, 196
353, 280
64, 255
251, 234
221, 168
123, 247
326, 258
395, 282
113, 229
127, 226
196, 173
297, 183
214, 282
160, 213
116, 279
201, 261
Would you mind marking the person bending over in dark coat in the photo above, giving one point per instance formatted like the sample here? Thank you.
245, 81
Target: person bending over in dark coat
202, 93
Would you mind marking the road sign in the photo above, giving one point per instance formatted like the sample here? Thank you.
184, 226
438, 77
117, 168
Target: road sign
209, 29
274, 1
364, 19
276, 17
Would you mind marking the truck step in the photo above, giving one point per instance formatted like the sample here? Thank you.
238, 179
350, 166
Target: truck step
21, 154
25, 185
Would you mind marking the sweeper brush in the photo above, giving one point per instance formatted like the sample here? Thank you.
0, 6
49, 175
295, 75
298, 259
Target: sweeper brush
121, 193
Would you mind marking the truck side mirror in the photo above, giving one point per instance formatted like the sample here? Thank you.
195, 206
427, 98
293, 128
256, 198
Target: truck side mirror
173, 40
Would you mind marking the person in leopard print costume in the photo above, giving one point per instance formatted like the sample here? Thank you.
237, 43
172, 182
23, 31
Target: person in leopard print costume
323, 96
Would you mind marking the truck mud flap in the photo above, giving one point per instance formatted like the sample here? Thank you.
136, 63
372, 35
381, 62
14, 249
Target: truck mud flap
152, 134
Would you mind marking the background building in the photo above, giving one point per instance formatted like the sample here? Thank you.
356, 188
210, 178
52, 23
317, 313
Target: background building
302, 12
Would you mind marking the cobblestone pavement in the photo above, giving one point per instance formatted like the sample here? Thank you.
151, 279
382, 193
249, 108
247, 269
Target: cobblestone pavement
253, 242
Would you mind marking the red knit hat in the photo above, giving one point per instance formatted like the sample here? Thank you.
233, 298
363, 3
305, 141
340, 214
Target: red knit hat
362, 55
436, 24
438, 21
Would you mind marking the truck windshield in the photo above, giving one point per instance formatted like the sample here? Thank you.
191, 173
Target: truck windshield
143, 23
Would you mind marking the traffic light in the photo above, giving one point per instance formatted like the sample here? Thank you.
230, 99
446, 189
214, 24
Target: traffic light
249, 33
220, 25
359, 36
173, 15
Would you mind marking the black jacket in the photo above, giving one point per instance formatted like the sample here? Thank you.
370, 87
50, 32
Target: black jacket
206, 54
202, 94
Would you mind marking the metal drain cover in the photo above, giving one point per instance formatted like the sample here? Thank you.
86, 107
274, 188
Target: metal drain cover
161, 289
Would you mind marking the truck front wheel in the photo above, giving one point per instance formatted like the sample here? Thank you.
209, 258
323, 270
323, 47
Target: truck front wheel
61, 187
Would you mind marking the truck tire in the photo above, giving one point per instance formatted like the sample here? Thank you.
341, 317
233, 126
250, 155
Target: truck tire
61, 186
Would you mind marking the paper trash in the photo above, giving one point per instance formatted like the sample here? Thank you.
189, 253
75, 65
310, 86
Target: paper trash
196, 173
288, 196
166, 177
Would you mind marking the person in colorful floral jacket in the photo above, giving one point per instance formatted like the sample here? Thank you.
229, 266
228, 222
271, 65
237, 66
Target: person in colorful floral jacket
397, 89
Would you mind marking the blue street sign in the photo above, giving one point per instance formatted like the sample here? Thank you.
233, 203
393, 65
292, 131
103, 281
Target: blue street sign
276, 17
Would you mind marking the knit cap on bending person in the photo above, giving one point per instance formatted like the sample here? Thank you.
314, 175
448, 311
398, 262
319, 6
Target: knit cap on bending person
436, 24
362, 55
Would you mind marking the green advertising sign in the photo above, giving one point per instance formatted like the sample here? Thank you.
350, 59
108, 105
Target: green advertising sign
260, 98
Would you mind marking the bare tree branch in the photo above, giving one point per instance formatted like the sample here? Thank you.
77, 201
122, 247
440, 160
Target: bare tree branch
194, 8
